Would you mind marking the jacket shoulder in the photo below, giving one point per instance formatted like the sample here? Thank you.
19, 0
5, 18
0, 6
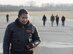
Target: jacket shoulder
31, 25
11, 25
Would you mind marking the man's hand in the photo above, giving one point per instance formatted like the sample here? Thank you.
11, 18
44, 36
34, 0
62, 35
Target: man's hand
30, 46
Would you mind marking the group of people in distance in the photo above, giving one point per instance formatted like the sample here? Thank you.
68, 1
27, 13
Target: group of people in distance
53, 18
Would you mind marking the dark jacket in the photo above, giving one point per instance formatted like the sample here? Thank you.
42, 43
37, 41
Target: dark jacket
57, 19
52, 18
63, 18
17, 36
44, 18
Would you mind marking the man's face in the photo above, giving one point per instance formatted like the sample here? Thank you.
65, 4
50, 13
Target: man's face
23, 18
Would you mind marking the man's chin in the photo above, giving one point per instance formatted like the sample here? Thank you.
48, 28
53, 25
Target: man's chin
24, 23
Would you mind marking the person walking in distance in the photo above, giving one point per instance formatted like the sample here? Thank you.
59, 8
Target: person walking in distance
44, 19
63, 20
7, 17
52, 19
57, 20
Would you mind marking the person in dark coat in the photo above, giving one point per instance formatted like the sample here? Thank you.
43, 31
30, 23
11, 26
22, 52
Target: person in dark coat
7, 17
44, 19
57, 20
63, 20
20, 36
52, 19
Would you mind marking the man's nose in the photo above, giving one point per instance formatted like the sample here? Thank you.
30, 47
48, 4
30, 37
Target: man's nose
25, 19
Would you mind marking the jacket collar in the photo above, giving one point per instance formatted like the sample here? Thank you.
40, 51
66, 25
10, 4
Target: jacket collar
19, 24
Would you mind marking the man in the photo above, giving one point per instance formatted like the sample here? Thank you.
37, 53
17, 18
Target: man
44, 19
63, 20
52, 19
57, 20
20, 36
7, 17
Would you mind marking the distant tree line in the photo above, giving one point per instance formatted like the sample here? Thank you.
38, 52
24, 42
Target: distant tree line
44, 7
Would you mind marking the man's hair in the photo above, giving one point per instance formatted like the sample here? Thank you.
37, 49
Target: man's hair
22, 11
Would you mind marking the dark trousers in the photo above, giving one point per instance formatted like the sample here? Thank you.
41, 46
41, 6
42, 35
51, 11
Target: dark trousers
52, 23
43, 23
62, 23
57, 22
21, 52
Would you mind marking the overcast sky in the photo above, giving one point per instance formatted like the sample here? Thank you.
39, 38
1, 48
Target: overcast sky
37, 2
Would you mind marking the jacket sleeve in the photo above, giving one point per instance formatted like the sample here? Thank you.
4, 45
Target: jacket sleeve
6, 41
35, 38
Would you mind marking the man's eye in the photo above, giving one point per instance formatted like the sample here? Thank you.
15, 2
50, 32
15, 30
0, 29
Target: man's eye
24, 17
